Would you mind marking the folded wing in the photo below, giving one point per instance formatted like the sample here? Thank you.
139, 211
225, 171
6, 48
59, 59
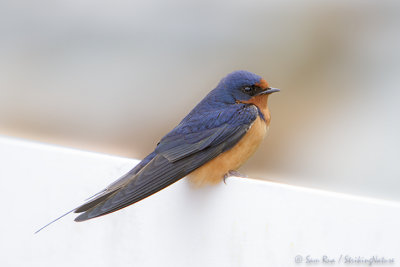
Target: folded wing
195, 141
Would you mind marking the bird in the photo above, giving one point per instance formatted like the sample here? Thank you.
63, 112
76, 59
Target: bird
221, 132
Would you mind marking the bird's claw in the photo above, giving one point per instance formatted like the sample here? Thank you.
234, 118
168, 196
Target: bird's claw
233, 173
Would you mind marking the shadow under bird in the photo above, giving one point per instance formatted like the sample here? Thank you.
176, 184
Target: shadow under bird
208, 145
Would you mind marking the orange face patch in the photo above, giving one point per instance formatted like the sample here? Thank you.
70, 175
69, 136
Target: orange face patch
261, 102
262, 84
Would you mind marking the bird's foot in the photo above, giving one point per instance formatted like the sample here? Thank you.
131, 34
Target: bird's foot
233, 173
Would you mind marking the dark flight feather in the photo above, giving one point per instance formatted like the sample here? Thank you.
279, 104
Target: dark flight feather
179, 153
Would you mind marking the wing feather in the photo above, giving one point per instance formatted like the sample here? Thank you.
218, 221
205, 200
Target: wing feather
178, 154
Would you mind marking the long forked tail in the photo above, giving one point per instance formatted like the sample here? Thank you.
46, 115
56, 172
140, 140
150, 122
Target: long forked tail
90, 202
54, 220
100, 196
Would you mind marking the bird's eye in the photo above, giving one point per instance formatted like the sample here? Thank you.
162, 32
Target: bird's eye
247, 89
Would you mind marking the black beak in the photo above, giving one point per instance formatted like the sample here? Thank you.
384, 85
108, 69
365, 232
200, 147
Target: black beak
268, 90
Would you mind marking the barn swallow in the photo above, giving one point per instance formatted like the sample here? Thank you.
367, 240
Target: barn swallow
215, 138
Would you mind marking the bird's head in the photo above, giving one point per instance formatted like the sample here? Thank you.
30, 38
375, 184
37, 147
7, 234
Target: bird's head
243, 87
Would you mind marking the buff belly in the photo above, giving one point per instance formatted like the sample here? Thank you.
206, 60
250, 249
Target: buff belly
213, 171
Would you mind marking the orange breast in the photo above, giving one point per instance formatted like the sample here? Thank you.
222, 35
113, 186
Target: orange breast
261, 102
213, 171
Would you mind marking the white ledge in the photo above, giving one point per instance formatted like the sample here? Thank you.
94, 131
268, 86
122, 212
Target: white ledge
243, 223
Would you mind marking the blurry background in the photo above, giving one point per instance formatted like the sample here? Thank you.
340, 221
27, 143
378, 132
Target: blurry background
115, 76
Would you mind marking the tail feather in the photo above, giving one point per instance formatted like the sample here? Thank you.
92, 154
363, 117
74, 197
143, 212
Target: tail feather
54, 221
97, 198
90, 204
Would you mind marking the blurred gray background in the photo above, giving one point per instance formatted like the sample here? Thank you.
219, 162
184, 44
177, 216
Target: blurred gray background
115, 76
